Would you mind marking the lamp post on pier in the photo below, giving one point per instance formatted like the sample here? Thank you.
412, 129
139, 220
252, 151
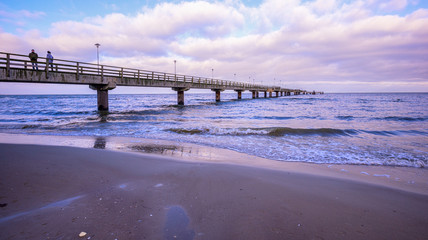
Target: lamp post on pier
98, 56
175, 69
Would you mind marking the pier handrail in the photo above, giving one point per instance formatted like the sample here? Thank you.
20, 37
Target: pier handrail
19, 61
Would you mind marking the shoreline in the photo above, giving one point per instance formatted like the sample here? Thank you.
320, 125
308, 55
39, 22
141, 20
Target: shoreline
54, 191
404, 178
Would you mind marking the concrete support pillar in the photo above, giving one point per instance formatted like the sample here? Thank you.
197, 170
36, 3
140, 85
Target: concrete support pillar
102, 100
257, 94
265, 94
180, 95
239, 94
102, 94
276, 94
217, 94
270, 94
254, 94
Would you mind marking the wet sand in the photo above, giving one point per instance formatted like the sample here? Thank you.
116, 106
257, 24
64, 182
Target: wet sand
57, 192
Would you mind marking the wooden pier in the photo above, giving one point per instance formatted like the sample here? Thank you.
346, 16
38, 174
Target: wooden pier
102, 78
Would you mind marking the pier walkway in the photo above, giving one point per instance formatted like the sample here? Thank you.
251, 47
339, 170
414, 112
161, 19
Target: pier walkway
18, 68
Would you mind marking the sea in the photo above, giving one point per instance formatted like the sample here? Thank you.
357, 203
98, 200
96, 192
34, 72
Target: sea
389, 129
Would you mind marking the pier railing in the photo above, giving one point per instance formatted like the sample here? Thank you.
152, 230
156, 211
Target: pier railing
18, 61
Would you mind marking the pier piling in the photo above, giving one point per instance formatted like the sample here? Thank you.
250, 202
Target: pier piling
102, 94
217, 94
102, 100
180, 95
239, 94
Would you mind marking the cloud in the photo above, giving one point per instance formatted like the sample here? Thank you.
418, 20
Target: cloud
150, 31
20, 18
298, 42
393, 5
21, 14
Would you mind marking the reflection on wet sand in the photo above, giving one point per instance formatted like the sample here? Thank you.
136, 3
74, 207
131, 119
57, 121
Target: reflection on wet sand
182, 151
100, 143
161, 149
177, 223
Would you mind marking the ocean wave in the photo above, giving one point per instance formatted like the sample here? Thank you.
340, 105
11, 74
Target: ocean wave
382, 133
49, 113
28, 126
141, 112
413, 132
402, 119
312, 131
396, 132
187, 131
272, 117
272, 132
345, 117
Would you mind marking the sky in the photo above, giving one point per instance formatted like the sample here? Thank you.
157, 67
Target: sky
322, 45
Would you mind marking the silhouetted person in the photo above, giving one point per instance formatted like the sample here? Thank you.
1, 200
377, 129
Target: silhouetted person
50, 60
33, 57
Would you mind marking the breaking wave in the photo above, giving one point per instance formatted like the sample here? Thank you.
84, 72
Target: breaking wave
273, 132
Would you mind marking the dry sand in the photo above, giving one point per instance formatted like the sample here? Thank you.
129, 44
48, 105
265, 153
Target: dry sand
57, 192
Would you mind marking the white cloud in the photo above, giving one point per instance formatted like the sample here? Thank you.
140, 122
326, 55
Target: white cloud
393, 5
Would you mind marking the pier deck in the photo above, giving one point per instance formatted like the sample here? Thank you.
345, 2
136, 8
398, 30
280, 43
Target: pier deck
18, 68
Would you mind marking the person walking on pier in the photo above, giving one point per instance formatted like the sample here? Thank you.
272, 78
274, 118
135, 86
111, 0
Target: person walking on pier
33, 57
50, 59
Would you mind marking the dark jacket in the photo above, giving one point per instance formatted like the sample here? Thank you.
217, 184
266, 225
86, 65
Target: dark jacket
33, 56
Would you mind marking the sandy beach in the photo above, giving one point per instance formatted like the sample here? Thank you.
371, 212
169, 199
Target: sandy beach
58, 192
